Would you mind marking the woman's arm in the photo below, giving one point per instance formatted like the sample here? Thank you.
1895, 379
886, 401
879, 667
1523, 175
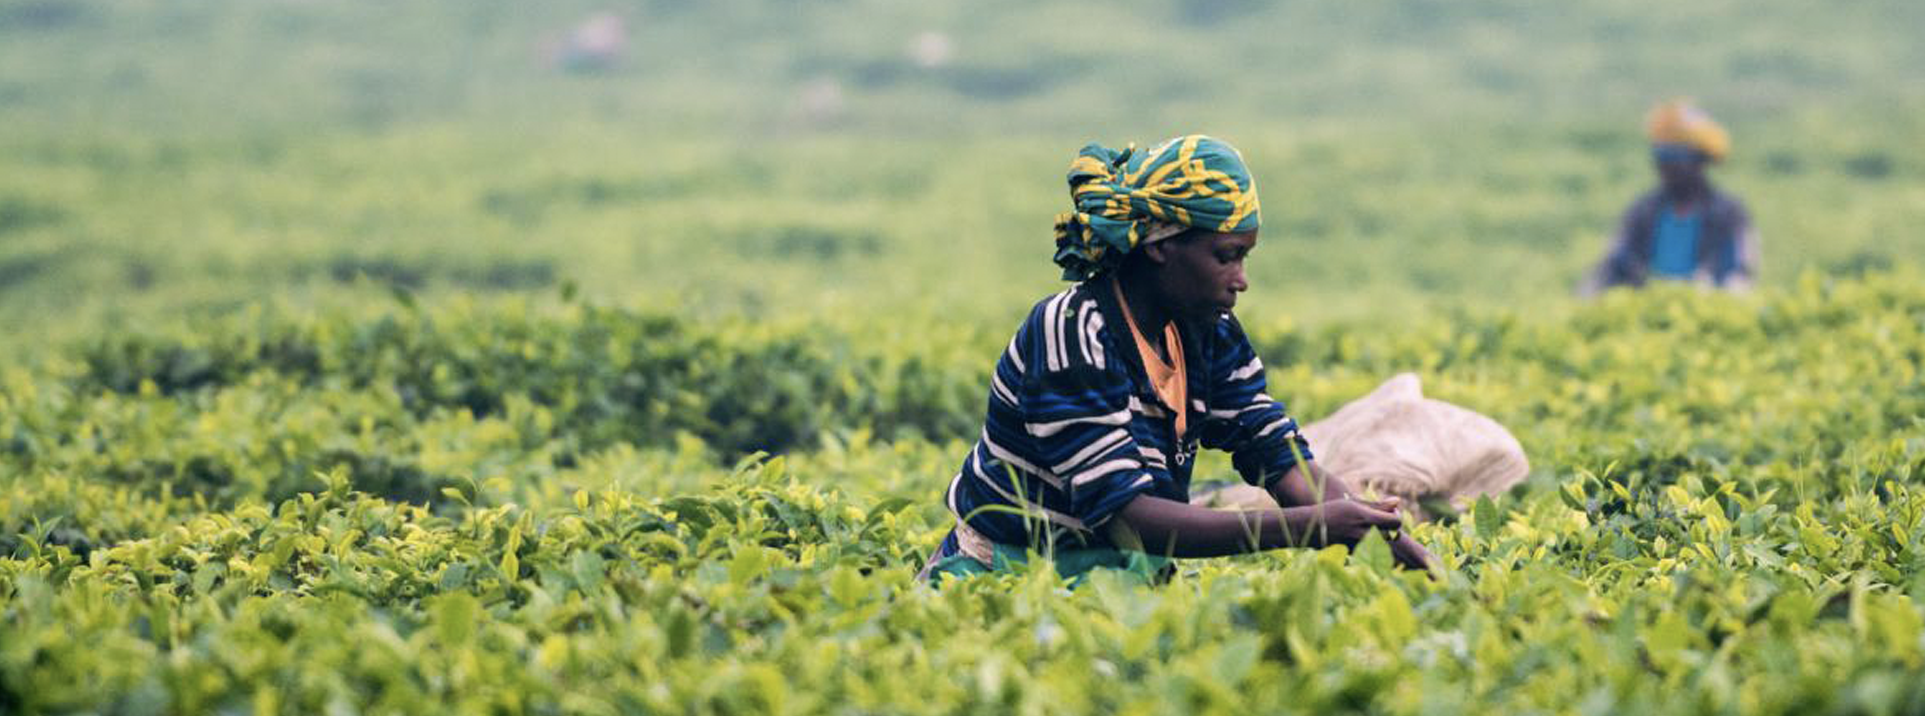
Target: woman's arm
1294, 489
1620, 265
1264, 441
1177, 529
1743, 262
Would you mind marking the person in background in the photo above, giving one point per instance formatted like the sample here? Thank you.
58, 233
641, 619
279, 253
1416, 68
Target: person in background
597, 44
1098, 406
1686, 229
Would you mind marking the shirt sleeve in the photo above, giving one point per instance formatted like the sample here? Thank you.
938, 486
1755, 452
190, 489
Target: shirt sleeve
1262, 439
1742, 267
1076, 409
1620, 265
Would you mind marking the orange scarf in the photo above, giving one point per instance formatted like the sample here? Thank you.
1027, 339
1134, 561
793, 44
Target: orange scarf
1166, 379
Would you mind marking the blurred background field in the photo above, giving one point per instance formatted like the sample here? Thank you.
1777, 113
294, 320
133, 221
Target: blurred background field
851, 158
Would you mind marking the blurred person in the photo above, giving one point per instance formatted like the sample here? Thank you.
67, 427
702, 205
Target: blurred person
931, 50
597, 44
820, 102
1686, 229
1097, 408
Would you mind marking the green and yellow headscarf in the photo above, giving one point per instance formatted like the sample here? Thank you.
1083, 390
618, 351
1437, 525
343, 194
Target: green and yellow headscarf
1127, 199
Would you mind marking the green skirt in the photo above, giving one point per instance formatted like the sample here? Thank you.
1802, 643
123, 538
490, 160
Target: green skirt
1074, 565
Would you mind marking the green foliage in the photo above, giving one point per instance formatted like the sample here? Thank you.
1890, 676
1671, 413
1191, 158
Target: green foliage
582, 379
167, 545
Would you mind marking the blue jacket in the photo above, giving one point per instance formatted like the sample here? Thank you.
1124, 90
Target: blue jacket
1727, 248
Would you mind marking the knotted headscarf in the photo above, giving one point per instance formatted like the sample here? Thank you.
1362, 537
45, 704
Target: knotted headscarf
1680, 122
1129, 198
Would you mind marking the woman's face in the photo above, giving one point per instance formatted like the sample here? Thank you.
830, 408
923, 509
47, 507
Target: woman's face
1680, 168
1200, 274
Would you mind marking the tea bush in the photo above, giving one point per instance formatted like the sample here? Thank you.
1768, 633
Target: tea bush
1726, 516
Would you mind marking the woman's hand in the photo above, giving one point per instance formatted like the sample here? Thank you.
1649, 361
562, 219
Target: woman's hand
1177, 529
1410, 554
1392, 504
1347, 522
1407, 551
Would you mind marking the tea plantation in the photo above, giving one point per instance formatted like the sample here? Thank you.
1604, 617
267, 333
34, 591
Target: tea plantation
361, 358
523, 511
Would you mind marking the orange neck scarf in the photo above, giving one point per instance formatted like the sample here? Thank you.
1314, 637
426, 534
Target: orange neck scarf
1166, 378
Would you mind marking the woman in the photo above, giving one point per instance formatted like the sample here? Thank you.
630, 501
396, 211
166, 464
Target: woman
1099, 404
1686, 229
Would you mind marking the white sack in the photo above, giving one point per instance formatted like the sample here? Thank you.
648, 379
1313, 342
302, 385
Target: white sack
1398, 442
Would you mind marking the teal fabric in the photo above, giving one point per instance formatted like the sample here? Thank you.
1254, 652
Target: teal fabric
1073, 564
1674, 249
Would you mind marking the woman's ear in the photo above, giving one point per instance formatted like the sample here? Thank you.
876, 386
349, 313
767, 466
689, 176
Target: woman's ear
1158, 252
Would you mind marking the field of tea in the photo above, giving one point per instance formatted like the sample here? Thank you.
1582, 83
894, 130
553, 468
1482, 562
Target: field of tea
360, 359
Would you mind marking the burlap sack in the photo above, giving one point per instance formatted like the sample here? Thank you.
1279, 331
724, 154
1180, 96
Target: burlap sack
1398, 442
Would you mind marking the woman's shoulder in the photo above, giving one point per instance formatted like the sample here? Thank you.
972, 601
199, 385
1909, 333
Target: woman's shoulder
1728, 206
1068, 298
1226, 330
1645, 206
1066, 331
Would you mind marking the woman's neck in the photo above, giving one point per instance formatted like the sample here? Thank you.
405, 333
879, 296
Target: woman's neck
1688, 196
1145, 306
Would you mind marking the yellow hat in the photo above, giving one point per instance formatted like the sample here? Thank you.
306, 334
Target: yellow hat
1681, 122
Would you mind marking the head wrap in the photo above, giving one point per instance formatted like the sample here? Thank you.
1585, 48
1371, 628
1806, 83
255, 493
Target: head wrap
1681, 122
1129, 198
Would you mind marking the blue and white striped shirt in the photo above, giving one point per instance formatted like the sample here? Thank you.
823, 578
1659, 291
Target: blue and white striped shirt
1074, 430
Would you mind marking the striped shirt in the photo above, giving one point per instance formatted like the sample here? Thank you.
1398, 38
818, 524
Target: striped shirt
1074, 430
